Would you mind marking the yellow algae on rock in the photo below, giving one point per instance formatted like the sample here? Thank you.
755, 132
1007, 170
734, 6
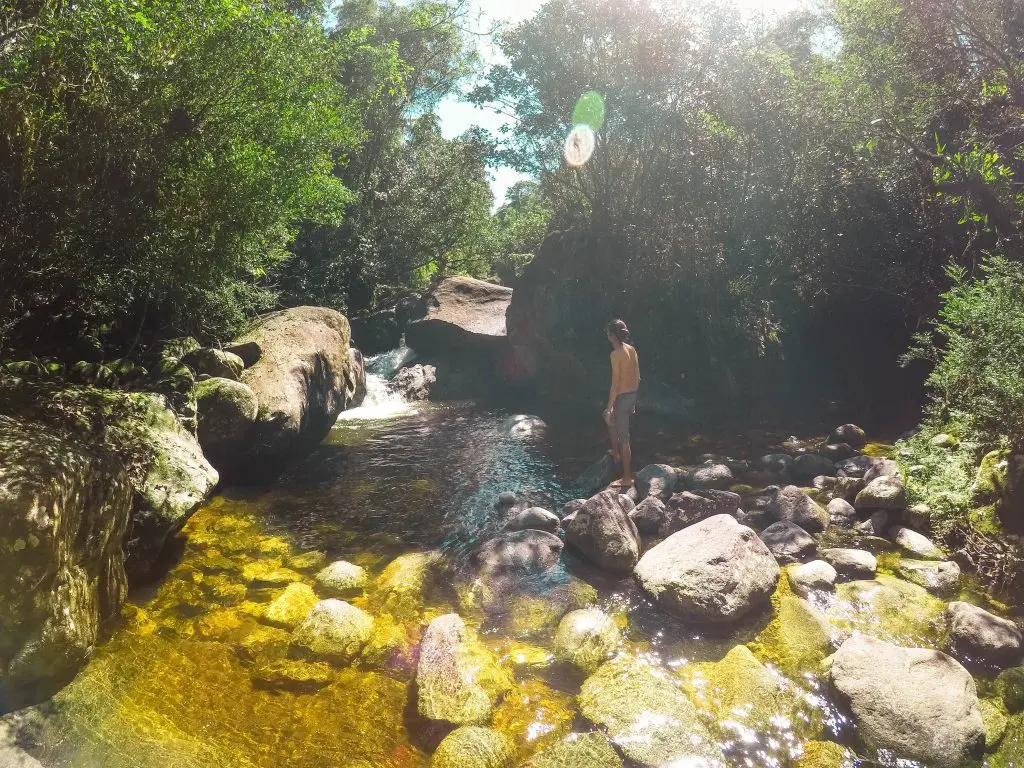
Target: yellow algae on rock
824, 754
392, 648
291, 607
306, 561
889, 609
292, 675
218, 625
798, 636
406, 585
473, 747
334, 630
534, 716
268, 572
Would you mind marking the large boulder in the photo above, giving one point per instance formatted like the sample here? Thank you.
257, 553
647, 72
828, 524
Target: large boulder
979, 636
651, 721
886, 492
303, 380
226, 411
604, 533
714, 571
919, 704
457, 679
460, 311
357, 379
64, 511
711, 475
793, 505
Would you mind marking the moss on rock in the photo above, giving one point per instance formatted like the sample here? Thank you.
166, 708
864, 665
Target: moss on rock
291, 607
474, 747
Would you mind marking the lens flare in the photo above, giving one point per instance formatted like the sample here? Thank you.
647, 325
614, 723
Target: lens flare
589, 110
580, 145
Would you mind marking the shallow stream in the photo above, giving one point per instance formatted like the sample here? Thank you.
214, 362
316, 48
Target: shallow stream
183, 682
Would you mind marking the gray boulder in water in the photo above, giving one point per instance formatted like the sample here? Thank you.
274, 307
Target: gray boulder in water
793, 505
788, 542
714, 571
586, 638
655, 480
334, 630
597, 475
920, 704
603, 532
414, 382
536, 518
851, 564
979, 636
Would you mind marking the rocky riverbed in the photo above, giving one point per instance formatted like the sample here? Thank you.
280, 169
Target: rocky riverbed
395, 602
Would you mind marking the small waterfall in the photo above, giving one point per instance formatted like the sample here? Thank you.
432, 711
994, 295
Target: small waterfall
380, 401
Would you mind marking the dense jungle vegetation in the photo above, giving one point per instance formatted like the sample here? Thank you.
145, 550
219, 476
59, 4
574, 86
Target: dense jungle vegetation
820, 186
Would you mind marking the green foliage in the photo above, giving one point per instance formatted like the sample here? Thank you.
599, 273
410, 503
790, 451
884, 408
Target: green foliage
978, 378
154, 158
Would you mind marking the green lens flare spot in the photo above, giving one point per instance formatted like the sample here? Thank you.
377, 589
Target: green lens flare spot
589, 111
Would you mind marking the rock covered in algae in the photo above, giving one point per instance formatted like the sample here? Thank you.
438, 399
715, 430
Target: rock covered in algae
458, 680
1010, 687
226, 411
474, 747
798, 637
333, 630
578, 750
996, 721
586, 638
342, 579
403, 587
268, 572
534, 715
293, 675
393, 647
920, 704
291, 607
815, 576
716, 571
824, 754
940, 577
261, 644
651, 721
887, 608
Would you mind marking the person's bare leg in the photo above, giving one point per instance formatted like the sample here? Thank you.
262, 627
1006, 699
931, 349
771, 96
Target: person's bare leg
614, 450
626, 453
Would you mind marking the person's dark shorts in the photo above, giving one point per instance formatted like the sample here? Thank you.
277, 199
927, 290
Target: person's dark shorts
622, 412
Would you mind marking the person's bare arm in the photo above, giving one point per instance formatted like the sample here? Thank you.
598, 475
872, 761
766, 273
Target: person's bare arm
613, 391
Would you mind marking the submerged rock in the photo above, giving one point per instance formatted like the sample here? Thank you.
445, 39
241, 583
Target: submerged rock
716, 571
940, 577
887, 608
1010, 687
334, 630
458, 680
293, 675
586, 639
788, 542
291, 607
646, 716
502, 562
921, 704
914, 543
979, 636
342, 579
403, 587
603, 532
578, 750
474, 747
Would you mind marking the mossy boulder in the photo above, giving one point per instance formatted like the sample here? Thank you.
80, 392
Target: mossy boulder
226, 412
798, 637
1010, 687
64, 512
578, 750
291, 607
889, 609
940, 577
215, 362
474, 747
342, 579
334, 631
651, 720
996, 721
262, 644
302, 380
268, 572
534, 715
824, 754
393, 648
458, 680
586, 638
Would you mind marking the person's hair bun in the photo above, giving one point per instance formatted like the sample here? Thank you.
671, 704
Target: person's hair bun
618, 329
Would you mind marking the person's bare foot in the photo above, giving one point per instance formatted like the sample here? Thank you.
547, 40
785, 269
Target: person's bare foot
622, 482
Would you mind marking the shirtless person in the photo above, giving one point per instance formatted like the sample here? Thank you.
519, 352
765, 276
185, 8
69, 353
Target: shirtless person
622, 398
